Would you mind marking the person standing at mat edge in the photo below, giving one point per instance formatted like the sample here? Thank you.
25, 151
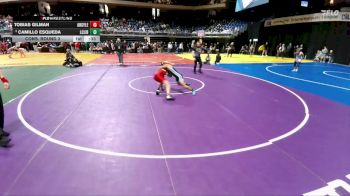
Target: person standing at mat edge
217, 58
299, 57
197, 50
120, 48
4, 136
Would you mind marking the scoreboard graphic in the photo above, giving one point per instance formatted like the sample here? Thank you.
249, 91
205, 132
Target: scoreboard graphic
56, 29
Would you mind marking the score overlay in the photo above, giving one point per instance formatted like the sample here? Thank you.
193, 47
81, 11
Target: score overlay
56, 31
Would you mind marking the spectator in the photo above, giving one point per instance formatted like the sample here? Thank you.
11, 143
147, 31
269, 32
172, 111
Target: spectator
170, 47
230, 49
207, 59
330, 56
217, 58
181, 47
289, 50
77, 47
252, 48
279, 49
324, 53
261, 49
318, 56
283, 50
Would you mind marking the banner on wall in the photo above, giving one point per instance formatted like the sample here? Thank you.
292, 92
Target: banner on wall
317, 17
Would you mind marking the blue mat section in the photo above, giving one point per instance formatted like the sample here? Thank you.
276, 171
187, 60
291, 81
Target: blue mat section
331, 81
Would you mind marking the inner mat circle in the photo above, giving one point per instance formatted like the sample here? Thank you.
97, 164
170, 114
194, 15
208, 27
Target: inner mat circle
145, 84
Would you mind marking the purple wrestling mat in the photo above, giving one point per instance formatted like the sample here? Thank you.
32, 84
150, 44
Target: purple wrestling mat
103, 131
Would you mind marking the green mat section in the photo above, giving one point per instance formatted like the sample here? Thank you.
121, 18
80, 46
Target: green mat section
23, 79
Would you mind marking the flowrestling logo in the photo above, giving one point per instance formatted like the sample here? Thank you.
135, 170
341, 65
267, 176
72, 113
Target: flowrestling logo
56, 18
331, 188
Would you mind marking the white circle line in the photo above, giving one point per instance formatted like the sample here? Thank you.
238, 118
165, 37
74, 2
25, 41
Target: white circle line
327, 74
174, 156
304, 80
153, 61
149, 92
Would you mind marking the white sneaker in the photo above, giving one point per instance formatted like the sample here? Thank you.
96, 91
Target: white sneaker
169, 98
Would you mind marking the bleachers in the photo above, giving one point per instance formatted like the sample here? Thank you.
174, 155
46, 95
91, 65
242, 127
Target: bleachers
155, 28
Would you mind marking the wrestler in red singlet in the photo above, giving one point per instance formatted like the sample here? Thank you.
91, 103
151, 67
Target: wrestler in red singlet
159, 76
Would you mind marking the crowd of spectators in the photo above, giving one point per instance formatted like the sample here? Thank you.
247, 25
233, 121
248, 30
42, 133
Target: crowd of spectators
5, 24
157, 46
130, 26
146, 46
282, 50
110, 46
324, 55
140, 47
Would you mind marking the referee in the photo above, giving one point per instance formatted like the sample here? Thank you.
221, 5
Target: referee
4, 136
120, 48
196, 52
